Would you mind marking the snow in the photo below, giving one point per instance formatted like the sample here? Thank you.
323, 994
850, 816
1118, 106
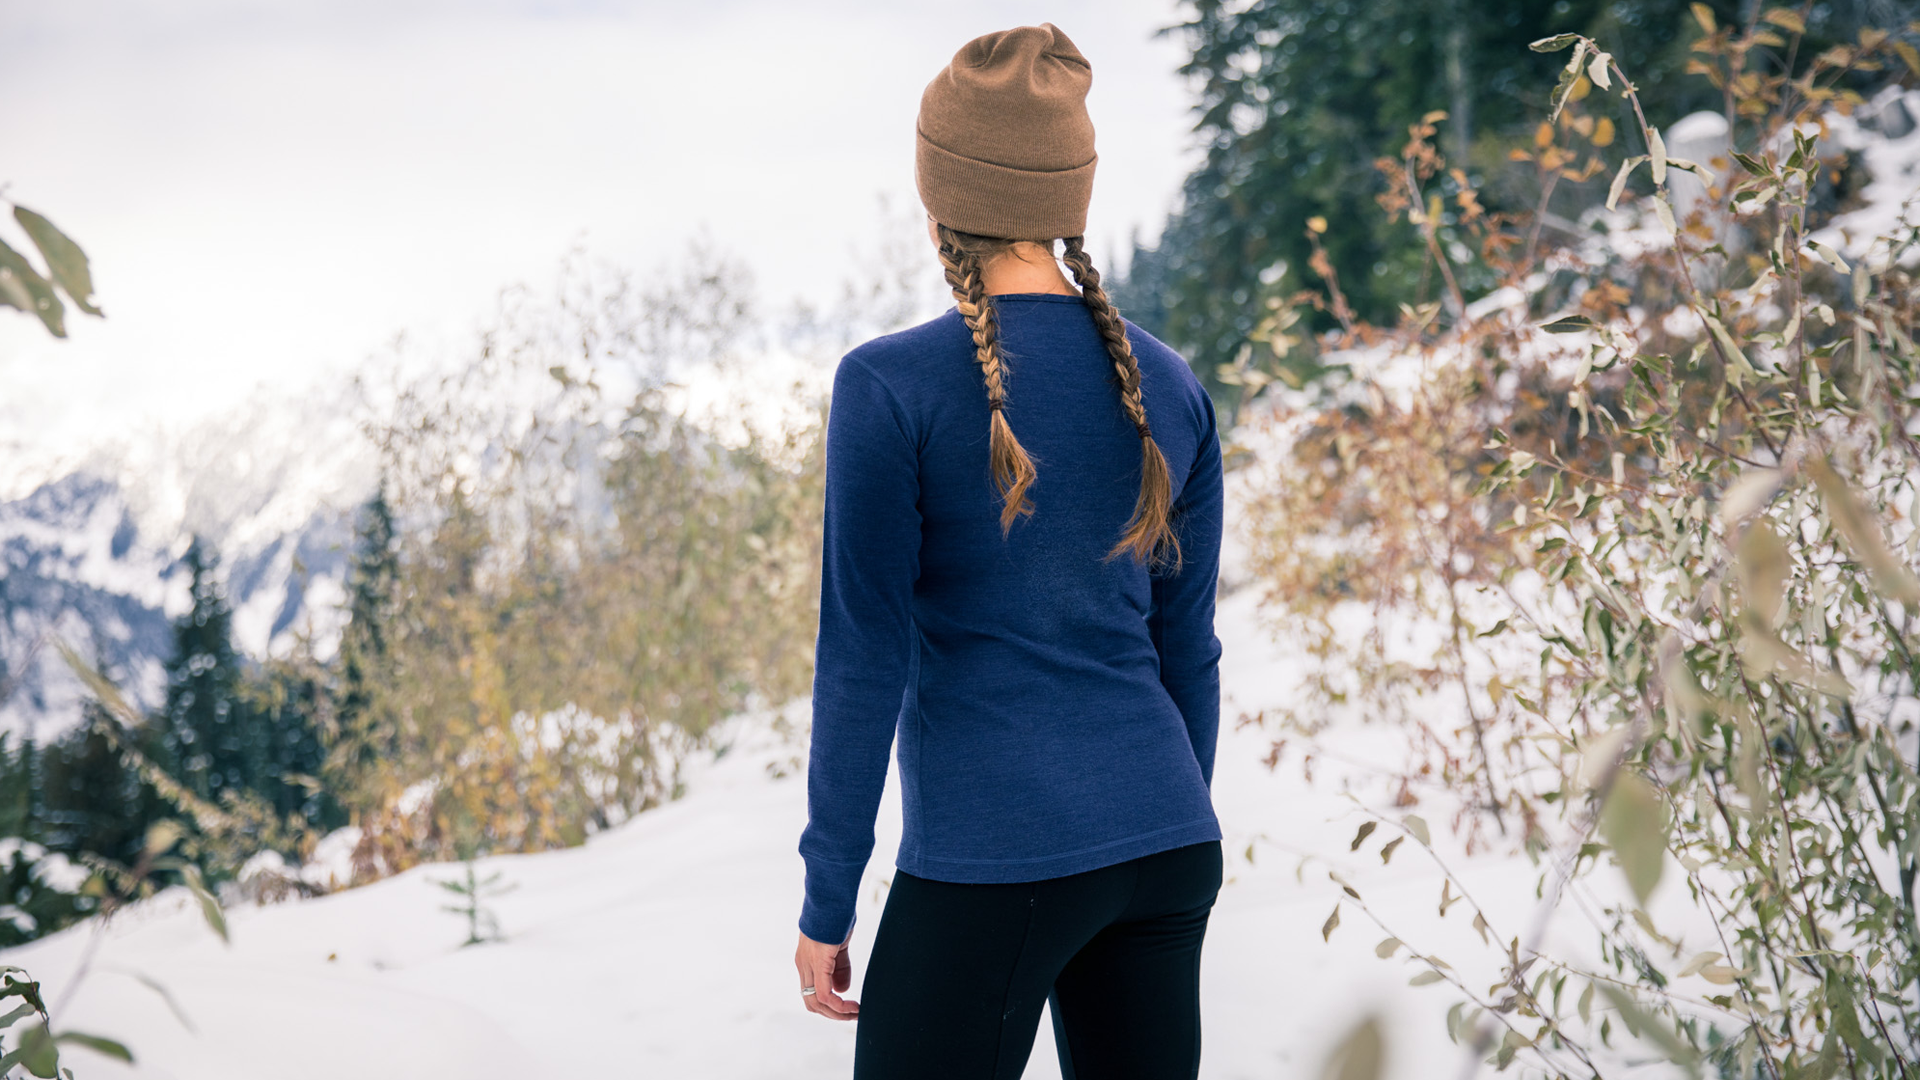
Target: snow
663, 946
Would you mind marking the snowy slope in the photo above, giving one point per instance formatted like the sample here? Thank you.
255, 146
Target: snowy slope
663, 947
80, 561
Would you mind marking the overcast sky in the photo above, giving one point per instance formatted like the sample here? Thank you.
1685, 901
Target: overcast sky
269, 190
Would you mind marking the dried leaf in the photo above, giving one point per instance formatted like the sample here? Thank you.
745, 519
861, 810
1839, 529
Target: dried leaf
1890, 576
1366, 830
1333, 922
1387, 948
1698, 963
1361, 1055
1620, 179
1830, 256
1657, 155
1763, 563
1785, 18
1754, 489
1418, 827
1597, 71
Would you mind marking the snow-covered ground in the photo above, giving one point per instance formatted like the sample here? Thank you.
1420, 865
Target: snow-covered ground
663, 947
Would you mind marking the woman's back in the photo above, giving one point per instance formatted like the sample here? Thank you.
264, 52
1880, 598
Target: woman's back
1056, 708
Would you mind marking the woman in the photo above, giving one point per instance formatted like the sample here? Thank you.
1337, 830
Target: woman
1023, 517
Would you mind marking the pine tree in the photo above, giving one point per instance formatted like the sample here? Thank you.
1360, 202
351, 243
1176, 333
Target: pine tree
16, 786
204, 720
1297, 98
287, 699
93, 802
372, 578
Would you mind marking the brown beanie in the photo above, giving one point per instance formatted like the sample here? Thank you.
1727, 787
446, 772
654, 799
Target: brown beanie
1005, 142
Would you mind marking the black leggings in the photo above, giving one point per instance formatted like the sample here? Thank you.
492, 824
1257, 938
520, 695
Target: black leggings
959, 972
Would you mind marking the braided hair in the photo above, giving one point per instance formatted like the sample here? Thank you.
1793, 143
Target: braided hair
1148, 534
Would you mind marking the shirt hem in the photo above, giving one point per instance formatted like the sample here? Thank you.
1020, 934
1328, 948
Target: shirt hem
997, 871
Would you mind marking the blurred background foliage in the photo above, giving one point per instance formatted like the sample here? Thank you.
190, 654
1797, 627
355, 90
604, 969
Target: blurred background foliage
1297, 100
1650, 568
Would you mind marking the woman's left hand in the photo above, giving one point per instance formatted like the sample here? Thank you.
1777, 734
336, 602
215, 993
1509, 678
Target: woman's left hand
827, 969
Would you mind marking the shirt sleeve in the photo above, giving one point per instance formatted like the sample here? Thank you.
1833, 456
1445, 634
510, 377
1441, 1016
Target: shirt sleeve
1181, 622
869, 561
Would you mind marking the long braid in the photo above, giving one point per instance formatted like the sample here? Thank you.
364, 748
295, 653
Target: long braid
1149, 534
1011, 466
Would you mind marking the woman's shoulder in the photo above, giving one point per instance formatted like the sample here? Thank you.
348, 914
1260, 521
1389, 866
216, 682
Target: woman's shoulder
899, 359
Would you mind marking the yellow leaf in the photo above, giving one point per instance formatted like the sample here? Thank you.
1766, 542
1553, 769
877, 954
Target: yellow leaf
1603, 132
1785, 17
1764, 564
1699, 963
1317, 223
1703, 15
1543, 136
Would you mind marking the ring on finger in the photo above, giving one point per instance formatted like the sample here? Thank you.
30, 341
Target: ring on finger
807, 990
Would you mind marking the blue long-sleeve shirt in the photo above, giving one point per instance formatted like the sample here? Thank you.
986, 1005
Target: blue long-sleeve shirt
1055, 712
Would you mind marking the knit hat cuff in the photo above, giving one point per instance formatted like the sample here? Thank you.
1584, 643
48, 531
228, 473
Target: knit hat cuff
992, 200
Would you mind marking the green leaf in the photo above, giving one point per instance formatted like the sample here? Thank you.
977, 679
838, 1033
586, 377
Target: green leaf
1554, 43
1634, 823
209, 906
19, 1012
1366, 830
1387, 948
1640, 1022
21, 286
64, 259
1425, 978
26, 989
97, 1044
1386, 849
37, 1053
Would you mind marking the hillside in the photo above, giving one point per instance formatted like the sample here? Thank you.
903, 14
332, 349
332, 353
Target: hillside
663, 947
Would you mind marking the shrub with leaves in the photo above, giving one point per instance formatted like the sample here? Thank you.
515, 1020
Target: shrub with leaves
1672, 580
576, 578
